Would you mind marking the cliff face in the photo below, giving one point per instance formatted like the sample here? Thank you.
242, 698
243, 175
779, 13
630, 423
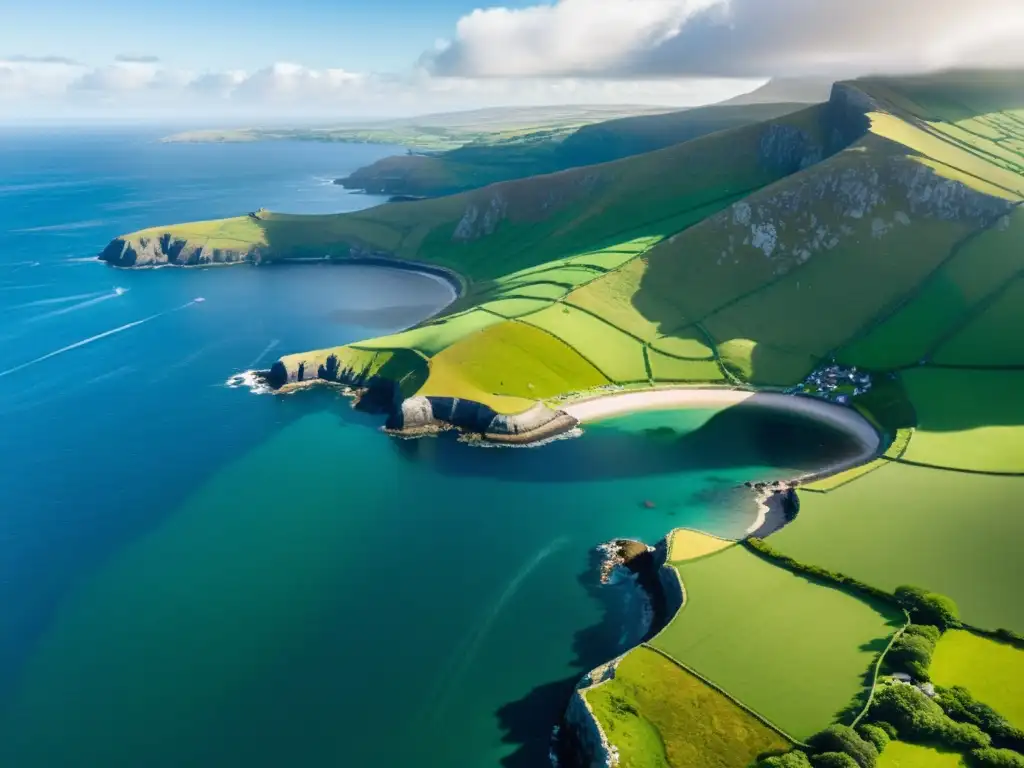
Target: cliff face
164, 249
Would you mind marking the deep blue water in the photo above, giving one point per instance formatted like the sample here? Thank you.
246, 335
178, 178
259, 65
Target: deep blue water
195, 575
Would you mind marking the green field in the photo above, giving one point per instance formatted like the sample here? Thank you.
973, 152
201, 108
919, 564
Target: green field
953, 533
992, 671
658, 715
899, 754
971, 420
792, 650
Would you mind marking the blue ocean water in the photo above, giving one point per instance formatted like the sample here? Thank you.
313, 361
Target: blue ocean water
195, 575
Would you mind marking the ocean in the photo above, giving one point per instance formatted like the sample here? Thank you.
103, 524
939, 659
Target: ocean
195, 575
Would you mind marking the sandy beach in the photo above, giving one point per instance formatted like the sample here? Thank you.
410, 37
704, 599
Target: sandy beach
840, 417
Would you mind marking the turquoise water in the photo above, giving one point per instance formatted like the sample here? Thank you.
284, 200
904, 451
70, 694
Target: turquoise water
195, 575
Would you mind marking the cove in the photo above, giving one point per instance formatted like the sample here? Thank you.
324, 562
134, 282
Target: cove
334, 596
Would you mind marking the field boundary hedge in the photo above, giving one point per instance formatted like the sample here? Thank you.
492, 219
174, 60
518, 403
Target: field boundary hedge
878, 670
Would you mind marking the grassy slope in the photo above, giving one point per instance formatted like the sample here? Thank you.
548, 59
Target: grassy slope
661, 716
992, 671
490, 159
814, 645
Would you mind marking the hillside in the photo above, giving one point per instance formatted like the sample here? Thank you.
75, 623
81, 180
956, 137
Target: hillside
869, 250
538, 151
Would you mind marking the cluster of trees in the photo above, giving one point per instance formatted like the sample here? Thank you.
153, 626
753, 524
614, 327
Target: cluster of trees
912, 651
959, 705
927, 607
917, 718
838, 746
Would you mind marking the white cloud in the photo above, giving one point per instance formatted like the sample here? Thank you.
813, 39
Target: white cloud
750, 38
289, 91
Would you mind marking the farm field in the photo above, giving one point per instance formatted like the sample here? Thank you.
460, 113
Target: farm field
900, 754
972, 420
992, 671
661, 716
792, 650
954, 533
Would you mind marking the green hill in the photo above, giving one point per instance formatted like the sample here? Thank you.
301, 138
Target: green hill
518, 154
868, 249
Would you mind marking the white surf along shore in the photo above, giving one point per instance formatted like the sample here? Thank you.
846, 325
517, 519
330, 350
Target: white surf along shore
842, 418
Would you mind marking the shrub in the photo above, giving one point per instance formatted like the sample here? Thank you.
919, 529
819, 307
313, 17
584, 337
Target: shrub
794, 759
833, 760
918, 718
874, 735
927, 631
888, 728
927, 607
912, 651
995, 758
842, 738
958, 703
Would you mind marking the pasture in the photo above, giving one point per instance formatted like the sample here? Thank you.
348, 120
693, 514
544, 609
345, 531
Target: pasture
949, 532
900, 754
658, 715
795, 651
991, 670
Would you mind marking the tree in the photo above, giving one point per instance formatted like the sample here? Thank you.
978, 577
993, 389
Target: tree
794, 759
842, 738
833, 760
927, 607
874, 735
995, 758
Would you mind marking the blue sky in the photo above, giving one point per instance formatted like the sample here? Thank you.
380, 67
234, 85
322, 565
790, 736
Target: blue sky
257, 60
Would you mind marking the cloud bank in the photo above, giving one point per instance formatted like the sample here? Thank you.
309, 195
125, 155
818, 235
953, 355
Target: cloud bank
732, 38
137, 87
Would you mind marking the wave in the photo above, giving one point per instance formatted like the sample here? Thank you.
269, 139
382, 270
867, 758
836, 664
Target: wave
92, 339
249, 380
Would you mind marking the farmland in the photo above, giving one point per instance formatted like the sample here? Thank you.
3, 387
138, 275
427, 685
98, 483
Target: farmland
661, 716
899, 754
814, 644
992, 671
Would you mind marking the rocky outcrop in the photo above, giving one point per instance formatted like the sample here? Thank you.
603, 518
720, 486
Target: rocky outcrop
422, 414
159, 250
590, 745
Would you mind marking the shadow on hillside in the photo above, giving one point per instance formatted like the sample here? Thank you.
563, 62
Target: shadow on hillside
739, 436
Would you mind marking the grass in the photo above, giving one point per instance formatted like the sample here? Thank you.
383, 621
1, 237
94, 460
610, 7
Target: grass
967, 419
684, 544
900, 754
513, 359
994, 337
658, 715
953, 533
796, 652
991, 670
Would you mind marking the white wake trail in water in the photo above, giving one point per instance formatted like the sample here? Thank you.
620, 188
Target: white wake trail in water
60, 300
105, 296
92, 339
272, 345
475, 638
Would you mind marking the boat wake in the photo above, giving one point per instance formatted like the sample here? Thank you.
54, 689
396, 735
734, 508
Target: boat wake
89, 302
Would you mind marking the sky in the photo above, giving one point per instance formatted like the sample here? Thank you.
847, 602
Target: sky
244, 60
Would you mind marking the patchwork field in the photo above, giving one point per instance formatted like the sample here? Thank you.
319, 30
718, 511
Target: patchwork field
954, 533
792, 650
992, 671
900, 754
661, 716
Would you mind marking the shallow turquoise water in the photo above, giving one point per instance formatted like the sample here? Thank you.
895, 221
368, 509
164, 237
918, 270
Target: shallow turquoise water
200, 576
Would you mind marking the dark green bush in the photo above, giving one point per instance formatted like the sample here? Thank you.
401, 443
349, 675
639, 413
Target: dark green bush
794, 759
833, 760
888, 728
958, 703
842, 738
918, 718
911, 653
874, 735
927, 607
927, 631
995, 758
